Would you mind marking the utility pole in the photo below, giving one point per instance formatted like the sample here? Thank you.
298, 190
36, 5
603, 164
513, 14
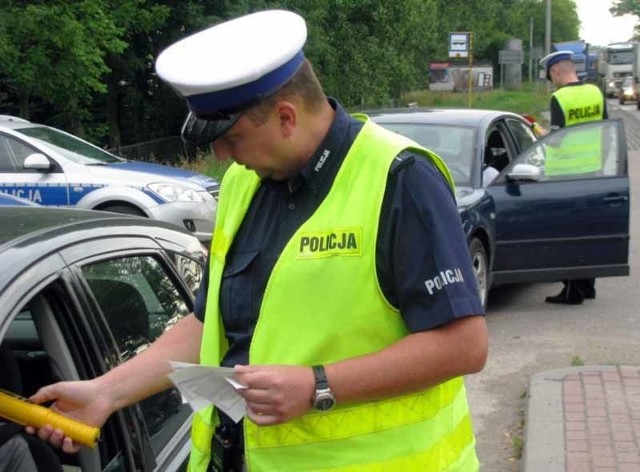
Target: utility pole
547, 36
530, 49
547, 30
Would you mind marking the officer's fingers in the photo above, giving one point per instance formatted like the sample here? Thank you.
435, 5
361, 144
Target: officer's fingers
261, 419
255, 395
245, 369
69, 446
56, 438
255, 379
45, 394
45, 432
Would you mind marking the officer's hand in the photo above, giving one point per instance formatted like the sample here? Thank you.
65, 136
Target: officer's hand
81, 400
275, 393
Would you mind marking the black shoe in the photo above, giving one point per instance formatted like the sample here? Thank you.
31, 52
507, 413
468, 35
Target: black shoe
564, 299
589, 289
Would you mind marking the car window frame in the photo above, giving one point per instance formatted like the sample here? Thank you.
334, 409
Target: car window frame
113, 249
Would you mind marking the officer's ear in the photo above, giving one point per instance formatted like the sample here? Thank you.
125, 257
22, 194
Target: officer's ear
287, 115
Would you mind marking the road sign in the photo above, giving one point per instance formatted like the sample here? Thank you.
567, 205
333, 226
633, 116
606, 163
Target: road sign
458, 44
507, 56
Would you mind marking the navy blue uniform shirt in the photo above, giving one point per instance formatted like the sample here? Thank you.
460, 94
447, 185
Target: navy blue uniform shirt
422, 257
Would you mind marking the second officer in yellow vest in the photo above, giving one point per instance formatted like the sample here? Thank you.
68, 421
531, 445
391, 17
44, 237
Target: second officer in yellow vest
573, 102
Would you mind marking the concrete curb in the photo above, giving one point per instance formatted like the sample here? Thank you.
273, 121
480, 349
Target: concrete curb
544, 443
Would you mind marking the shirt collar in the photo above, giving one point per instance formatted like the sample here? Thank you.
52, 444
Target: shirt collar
329, 155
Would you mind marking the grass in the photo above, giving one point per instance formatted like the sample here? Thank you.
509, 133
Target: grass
577, 361
206, 164
532, 99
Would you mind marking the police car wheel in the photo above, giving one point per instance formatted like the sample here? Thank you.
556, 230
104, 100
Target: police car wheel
480, 265
125, 209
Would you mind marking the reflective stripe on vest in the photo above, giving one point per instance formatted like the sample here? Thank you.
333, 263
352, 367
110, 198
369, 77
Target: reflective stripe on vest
580, 152
327, 263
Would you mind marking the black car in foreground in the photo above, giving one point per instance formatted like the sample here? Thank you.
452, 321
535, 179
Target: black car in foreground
82, 291
527, 221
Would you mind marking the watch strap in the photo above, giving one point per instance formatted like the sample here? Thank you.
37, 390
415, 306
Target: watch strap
321, 377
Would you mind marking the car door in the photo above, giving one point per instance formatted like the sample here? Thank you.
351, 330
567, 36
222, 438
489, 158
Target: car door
44, 325
552, 226
79, 312
45, 187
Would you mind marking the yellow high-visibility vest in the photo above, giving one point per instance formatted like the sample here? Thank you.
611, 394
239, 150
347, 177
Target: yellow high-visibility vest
322, 304
580, 152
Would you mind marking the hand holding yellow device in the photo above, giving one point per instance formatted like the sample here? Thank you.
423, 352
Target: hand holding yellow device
21, 411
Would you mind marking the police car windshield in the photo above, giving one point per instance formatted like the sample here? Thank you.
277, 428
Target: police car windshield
70, 147
454, 144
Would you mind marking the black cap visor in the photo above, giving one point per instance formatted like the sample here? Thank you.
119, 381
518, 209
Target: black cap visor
202, 130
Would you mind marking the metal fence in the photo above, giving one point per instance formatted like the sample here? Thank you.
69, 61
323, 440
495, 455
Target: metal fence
170, 150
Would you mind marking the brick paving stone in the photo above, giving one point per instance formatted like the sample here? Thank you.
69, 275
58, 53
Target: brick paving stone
602, 420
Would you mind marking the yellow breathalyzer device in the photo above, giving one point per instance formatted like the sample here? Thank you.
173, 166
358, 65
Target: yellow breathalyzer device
21, 411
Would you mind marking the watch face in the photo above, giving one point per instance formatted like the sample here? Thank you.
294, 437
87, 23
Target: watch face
324, 402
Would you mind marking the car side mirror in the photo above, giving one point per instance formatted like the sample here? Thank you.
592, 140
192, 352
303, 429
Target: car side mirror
524, 172
37, 161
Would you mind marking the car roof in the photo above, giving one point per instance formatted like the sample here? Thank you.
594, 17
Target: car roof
18, 124
28, 234
443, 116
4, 118
21, 223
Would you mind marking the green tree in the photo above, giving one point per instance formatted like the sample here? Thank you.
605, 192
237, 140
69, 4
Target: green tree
56, 50
627, 7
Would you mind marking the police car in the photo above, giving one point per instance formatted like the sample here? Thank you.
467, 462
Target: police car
50, 167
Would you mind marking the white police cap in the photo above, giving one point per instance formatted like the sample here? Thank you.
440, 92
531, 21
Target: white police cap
550, 59
226, 68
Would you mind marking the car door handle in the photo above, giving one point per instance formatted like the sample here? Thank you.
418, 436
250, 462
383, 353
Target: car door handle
615, 198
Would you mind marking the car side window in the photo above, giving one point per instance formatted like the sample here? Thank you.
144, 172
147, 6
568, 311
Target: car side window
577, 152
140, 301
16, 152
521, 133
496, 151
7, 159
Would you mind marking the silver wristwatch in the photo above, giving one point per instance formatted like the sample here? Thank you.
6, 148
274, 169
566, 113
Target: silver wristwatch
324, 399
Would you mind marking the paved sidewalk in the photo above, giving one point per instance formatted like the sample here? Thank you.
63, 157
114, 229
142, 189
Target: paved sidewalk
583, 419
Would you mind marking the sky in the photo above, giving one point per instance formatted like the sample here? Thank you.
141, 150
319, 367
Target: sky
599, 27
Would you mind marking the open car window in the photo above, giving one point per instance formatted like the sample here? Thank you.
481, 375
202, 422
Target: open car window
589, 150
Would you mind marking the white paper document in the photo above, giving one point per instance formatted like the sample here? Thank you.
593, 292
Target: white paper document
202, 386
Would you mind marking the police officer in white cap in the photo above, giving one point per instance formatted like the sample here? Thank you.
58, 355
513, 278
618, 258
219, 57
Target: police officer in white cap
339, 285
573, 102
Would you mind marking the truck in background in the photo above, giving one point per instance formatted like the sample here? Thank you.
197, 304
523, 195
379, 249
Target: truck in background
615, 62
580, 50
592, 64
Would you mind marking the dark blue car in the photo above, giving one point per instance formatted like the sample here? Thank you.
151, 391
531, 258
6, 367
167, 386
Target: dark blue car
523, 222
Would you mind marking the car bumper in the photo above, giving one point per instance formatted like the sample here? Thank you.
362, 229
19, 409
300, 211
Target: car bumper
197, 218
